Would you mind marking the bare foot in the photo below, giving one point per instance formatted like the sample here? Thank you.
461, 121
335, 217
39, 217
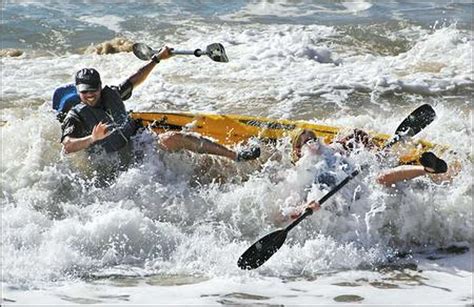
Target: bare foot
453, 171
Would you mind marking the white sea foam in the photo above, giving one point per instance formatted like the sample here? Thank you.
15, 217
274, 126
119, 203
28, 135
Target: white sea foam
357, 6
111, 22
435, 64
289, 9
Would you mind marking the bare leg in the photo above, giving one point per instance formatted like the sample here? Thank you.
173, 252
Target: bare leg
174, 141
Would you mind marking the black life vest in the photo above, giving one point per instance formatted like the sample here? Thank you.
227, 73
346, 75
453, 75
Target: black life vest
111, 110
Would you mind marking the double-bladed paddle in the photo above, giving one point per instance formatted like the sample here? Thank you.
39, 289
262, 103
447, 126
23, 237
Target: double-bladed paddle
215, 52
264, 248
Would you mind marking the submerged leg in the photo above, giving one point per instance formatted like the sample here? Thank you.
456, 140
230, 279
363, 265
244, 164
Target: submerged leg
174, 141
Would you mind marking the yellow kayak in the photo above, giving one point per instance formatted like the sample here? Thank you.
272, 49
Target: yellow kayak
234, 129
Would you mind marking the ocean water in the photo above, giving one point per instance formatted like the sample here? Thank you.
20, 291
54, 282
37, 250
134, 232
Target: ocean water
169, 230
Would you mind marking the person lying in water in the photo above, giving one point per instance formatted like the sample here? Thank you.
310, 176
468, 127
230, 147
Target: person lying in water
336, 157
100, 120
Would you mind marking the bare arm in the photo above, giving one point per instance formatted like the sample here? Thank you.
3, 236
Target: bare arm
140, 76
71, 144
400, 173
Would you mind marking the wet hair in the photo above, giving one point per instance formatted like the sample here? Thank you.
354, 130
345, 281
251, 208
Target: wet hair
295, 142
356, 139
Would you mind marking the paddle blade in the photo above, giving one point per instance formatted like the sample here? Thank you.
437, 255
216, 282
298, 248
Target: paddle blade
217, 53
416, 121
262, 250
142, 51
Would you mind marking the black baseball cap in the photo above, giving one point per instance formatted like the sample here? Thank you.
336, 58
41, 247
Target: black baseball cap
88, 79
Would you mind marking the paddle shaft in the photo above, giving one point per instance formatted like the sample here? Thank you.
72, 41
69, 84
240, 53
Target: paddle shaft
392, 142
309, 211
197, 52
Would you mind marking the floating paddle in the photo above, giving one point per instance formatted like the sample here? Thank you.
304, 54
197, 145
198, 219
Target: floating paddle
264, 248
214, 51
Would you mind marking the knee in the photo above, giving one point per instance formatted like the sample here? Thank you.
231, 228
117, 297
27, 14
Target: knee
171, 140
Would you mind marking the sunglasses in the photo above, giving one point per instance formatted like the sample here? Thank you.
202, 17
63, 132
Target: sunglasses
89, 91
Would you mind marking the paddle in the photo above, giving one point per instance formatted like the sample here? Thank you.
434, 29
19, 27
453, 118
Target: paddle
215, 52
264, 248
414, 123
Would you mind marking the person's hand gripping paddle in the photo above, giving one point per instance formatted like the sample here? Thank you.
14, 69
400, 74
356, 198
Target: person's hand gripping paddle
215, 52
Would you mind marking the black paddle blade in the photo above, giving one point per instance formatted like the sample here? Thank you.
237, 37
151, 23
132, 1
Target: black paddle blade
262, 250
416, 121
217, 53
142, 51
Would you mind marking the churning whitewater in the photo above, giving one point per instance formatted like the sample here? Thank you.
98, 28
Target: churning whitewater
170, 229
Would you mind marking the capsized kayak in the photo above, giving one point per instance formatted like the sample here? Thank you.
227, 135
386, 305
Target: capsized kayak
233, 129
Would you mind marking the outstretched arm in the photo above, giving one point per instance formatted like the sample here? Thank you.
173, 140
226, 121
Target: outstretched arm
140, 76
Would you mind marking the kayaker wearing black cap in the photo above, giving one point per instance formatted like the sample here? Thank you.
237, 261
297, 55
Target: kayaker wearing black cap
100, 120
101, 117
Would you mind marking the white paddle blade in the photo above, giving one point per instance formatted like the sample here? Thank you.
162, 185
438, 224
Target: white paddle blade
142, 51
217, 53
